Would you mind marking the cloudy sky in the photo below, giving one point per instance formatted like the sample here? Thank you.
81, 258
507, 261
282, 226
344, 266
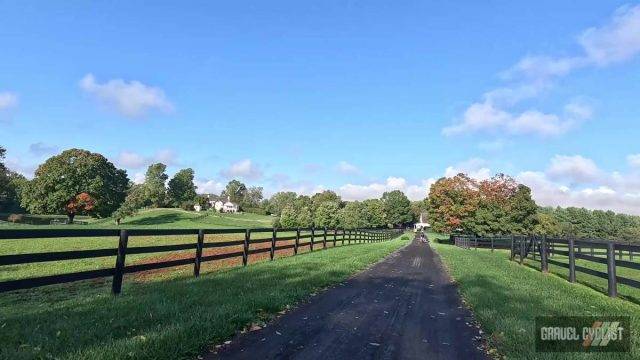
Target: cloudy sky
356, 96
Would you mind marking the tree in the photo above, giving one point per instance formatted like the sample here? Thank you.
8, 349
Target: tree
326, 196
61, 178
304, 217
522, 211
11, 184
252, 197
154, 184
235, 191
134, 201
280, 200
353, 215
374, 213
326, 215
288, 217
452, 203
397, 207
181, 188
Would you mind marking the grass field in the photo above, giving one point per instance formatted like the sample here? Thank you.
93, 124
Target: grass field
156, 218
506, 297
173, 318
160, 219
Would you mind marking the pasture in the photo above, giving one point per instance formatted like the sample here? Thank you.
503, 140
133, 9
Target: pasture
506, 297
176, 316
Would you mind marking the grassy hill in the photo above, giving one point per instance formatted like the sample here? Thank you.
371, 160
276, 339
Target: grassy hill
161, 218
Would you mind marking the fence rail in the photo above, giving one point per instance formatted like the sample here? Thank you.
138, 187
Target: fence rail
342, 236
543, 249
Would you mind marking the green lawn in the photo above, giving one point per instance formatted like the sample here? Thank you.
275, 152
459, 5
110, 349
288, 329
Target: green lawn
506, 297
161, 219
173, 318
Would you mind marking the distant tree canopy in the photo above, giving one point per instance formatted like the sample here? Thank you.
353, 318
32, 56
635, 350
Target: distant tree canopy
495, 206
155, 185
583, 223
235, 191
76, 182
182, 190
11, 185
397, 207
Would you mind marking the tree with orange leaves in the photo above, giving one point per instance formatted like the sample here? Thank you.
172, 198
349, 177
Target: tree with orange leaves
82, 203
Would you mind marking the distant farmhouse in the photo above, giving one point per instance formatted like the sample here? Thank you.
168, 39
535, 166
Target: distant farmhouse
226, 206
422, 224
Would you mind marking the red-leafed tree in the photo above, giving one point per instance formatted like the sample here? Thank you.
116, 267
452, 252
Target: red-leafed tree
82, 203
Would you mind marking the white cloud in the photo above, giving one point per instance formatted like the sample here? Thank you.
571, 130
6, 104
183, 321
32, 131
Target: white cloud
615, 42
475, 168
132, 99
209, 186
244, 169
634, 160
576, 169
138, 178
346, 168
8, 100
41, 148
19, 166
133, 160
375, 190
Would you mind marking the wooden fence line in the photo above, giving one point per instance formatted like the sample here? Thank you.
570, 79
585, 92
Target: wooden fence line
357, 236
522, 246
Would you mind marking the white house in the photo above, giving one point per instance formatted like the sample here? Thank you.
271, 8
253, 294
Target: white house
422, 224
227, 206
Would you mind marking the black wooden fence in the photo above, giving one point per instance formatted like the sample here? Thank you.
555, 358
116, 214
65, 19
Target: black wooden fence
324, 236
542, 249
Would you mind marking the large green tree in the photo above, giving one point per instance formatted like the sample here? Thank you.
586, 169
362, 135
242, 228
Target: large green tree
326, 215
252, 197
59, 182
182, 190
155, 185
235, 191
353, 215
326, 196
280, 200
11, 185
397, 207
135, 200
374, 213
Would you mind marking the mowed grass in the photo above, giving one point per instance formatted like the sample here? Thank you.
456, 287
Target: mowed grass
175, 318
161, 219
156, 218
506, 297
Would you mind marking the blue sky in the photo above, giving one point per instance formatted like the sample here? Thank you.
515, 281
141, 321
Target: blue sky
355, 96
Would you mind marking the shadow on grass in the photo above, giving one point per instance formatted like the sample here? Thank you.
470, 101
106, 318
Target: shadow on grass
157, 219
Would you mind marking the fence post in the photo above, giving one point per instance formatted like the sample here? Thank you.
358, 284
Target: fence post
295, 246
572, 261
245, 247
349, 238
335, 236
534, 242
513, 249
116, 286
492, 246
611, 271
313, 233
199, 245
272, 251
521, 251
343, 234
544, 265
324, 238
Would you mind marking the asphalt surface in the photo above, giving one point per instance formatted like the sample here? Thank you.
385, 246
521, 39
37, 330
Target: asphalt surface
404, 307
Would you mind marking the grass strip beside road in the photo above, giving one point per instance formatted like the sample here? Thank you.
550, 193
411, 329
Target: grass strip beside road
506, 297
176, 318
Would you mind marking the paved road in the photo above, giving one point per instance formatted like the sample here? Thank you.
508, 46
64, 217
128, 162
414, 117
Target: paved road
404, 307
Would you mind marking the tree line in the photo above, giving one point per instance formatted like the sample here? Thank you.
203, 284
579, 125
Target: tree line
502, 206
79, 182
